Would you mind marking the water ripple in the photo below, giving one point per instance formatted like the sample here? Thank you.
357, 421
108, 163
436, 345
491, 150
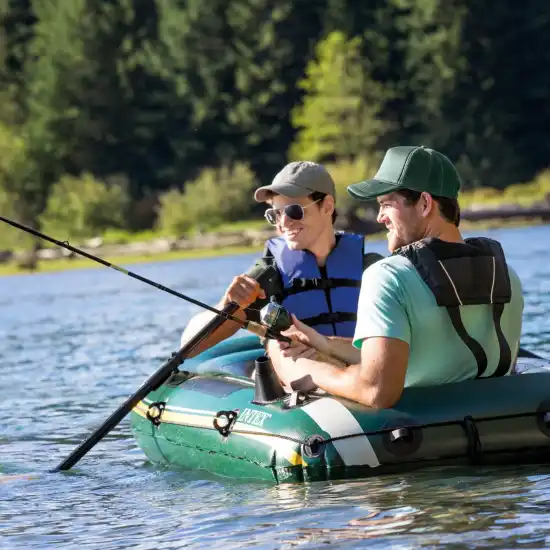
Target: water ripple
74, 345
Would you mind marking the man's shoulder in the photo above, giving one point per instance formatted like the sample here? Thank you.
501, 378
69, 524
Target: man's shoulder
396, 265
513, 274
390, 272
515, 285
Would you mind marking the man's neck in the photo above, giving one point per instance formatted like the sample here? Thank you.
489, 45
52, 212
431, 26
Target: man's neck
445, 232
323, 247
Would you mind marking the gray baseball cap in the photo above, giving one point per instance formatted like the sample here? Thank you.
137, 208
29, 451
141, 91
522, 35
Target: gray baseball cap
298, 179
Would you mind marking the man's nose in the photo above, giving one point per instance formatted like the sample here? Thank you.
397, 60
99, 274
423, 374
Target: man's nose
284, 220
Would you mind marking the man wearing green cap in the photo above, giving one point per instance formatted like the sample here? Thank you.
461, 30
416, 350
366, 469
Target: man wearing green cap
315, 272
440, 309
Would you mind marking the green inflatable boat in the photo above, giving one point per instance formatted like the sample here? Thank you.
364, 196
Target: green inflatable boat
227, 414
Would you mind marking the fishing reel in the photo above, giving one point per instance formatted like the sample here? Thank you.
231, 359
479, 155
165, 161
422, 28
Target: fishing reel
275, 316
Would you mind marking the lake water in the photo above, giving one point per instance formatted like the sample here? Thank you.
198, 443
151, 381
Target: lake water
74, 345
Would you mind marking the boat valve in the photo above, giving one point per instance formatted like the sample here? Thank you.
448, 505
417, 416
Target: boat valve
400, 434
268, 387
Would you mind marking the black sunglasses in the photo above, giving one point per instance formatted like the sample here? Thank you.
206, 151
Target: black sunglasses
292, 211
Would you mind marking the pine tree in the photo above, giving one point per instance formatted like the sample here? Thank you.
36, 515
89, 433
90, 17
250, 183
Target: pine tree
17, 22
273, 41
340, 116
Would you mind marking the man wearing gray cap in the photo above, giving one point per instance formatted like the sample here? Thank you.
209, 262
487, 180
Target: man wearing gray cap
318, 271
440, 309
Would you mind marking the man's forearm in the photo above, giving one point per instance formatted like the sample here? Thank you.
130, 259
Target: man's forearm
224, 331
342, 349
342, 382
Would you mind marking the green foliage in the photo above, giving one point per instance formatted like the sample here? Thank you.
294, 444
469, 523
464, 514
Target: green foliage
525, 194
272, 43
13, 153
173, 219
340, 116
216, 196
16, 187
158, 91
347, 172
17, 21
81, 207
11, 238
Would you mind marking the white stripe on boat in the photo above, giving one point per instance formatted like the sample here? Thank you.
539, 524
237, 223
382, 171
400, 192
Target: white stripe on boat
147, 401
333, 418
194, 411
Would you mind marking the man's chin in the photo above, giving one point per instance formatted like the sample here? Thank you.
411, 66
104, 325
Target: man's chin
294, 245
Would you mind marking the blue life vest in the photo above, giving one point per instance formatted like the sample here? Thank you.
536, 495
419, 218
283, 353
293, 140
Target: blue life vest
325, 301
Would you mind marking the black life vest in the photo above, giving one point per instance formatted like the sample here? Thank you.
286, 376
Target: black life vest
472, 273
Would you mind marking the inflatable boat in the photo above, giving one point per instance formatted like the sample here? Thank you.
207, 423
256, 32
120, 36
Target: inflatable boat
224, 412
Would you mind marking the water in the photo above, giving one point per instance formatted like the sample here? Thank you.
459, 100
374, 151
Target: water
74, 345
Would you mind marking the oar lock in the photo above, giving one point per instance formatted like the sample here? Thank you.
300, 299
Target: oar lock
154, 412
224, 421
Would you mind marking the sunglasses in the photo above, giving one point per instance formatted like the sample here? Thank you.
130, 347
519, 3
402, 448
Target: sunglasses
292, 211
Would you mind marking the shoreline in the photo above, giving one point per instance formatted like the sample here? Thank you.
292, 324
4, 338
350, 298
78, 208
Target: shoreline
79, 263
76, 262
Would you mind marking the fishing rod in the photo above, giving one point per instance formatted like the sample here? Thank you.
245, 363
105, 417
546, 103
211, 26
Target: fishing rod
255, 328
251, 326
165, 371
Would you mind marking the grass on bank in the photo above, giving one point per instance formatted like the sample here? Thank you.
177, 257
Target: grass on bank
524, 194
63, 264
119, 236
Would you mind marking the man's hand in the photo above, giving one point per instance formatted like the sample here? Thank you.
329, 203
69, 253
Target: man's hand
296, 350
303, 334
243, 291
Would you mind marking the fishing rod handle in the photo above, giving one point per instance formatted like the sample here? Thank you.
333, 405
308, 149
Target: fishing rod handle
265, 332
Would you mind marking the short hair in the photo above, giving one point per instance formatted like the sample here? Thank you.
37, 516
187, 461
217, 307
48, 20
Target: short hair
319, 196
448, 207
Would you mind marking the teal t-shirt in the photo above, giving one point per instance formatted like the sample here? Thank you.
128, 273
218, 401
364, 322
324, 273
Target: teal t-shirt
396, 303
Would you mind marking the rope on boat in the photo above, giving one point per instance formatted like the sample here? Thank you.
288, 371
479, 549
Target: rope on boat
468, 423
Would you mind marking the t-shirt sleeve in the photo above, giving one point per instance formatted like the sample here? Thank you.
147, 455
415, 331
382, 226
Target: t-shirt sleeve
381, 311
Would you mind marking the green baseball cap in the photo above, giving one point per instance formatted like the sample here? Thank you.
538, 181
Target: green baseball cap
416, 168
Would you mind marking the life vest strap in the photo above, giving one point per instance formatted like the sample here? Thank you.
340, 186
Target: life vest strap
505, 359
304, 285
472, 344
329, 318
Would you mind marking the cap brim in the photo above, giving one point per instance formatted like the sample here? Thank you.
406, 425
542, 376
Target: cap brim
286, 189
370, 189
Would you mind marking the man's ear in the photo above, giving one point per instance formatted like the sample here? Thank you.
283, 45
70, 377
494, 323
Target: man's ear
427, 204
328, 204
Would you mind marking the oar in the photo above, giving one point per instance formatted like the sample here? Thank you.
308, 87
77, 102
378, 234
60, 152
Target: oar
251, 326
151, 384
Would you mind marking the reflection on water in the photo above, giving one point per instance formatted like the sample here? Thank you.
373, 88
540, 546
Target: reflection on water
74, 345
